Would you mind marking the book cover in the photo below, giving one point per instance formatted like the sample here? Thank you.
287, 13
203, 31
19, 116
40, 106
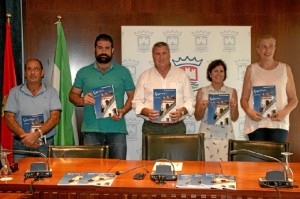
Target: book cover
264, 100
218, 109
71, 178
206, 181
105, 102
97, 179
165, 102
32, 122
87, 178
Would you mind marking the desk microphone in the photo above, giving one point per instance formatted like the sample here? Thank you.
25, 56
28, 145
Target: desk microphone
273, 178
37, 169
161, 170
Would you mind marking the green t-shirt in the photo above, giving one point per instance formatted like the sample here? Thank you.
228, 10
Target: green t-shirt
90, 77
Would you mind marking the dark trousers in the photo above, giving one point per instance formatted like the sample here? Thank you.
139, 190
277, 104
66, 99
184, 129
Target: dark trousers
156, 128
266, 134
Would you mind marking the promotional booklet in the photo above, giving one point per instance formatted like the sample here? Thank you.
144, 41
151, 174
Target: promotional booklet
105, 102
87, 178
218, 111
264, 100
206, 181
30, 123
165, 102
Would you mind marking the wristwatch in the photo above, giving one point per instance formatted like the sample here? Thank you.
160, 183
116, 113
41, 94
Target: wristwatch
182, 113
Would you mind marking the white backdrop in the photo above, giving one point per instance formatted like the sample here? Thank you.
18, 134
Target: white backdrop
192, 49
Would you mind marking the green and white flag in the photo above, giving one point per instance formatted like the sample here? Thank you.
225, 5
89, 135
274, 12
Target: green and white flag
61, 80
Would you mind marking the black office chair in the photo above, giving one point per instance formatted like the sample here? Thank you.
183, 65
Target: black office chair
173, 147
78, 151
272, 149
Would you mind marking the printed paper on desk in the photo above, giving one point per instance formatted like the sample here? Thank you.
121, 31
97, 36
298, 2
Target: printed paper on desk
177, 165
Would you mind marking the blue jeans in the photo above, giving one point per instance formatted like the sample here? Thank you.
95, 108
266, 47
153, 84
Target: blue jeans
18, 145
116, 142
266, 134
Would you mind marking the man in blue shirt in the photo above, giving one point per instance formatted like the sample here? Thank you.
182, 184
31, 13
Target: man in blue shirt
107, 130
32, 111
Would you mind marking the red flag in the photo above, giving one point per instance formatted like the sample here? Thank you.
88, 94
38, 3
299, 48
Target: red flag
9, 81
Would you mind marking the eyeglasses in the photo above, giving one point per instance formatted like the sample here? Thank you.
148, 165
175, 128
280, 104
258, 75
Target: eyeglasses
35, 69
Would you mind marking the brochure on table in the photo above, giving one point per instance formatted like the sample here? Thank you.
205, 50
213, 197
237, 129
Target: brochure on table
206, 181
88, 178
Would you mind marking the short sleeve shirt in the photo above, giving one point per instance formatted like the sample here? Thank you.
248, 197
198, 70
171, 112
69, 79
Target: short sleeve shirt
21, 102
90, 77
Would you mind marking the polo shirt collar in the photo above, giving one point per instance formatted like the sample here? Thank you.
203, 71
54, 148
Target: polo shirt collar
109, 69
26, 91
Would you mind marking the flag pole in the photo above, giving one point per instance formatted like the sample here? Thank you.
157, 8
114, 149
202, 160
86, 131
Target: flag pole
8, 16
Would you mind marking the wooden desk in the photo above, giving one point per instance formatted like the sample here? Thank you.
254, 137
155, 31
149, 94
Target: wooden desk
15, 196
47, 188
124, 186
247, 174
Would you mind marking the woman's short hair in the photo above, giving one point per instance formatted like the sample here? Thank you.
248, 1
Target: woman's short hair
213, 65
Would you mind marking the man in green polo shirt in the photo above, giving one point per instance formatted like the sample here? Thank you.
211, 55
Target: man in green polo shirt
104, 73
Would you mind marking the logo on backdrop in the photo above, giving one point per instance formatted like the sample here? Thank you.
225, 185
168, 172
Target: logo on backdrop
172, 39
131, 64
190, 66
201, 40
132, 128
143, 38
229, 38
242, 65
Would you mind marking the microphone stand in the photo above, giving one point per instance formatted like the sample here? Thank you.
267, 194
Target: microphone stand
37, 170
273, 178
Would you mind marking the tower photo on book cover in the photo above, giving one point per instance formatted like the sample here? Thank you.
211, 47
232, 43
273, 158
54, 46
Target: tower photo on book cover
218, 109
105, 102
264, 100
165, 102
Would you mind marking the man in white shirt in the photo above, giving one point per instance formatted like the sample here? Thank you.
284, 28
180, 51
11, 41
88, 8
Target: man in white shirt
163, 76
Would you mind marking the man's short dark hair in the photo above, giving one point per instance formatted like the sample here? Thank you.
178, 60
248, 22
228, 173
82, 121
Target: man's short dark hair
104, 37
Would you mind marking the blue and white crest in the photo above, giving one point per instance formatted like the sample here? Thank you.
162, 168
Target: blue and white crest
131, 64
229, 38
172, 38
201, 40
143, 38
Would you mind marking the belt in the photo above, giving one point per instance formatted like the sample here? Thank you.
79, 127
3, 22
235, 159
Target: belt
164, 124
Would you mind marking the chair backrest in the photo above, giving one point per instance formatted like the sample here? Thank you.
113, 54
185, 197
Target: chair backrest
78, 151
173, 147
272, 149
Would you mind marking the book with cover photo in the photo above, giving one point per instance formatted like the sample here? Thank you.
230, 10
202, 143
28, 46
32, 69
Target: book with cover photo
31, 123
264, 100
105, 102
88, 178
206, 181
165, 102
218, 111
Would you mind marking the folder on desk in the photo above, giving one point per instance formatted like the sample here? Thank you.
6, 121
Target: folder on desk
206, 181
88, 178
